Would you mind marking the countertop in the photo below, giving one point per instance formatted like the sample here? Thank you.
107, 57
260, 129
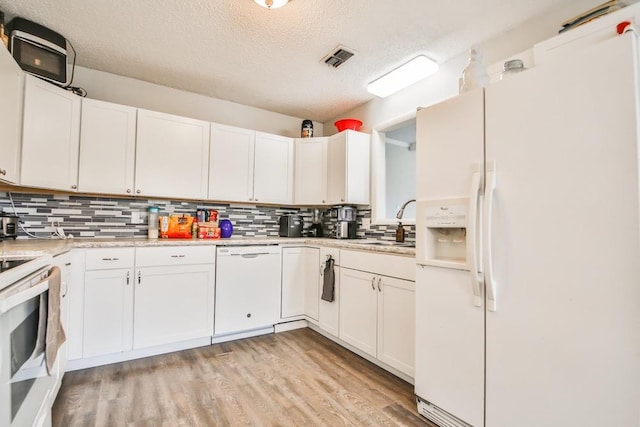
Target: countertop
37, 247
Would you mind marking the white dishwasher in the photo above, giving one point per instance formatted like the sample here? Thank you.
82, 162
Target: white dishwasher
247, 288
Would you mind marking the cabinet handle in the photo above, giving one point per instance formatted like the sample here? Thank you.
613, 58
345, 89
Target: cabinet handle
3, 172
74, 187
255, 200
108, 259
379, 287
342, 200
373, 283
65, 288
138, 191
67, 264
139, 278
321, 270
323, 201
127, 278
177, 256
129, 190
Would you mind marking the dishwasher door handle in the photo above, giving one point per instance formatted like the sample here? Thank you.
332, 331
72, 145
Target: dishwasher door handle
254, 255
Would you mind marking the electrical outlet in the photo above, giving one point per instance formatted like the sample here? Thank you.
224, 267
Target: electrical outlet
136, 217
366, 223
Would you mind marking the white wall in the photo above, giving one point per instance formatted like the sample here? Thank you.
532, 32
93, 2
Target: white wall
137, 93
401, 179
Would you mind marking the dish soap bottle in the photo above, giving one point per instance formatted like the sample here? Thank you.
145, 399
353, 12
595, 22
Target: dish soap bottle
400, 233
474, 75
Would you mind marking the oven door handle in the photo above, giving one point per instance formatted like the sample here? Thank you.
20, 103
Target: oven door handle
12, 301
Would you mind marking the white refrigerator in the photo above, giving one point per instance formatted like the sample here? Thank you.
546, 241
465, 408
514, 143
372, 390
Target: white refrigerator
528, 247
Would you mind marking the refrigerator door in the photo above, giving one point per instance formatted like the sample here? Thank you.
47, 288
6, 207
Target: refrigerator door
449, 368
563, 345
449, 363
450, 141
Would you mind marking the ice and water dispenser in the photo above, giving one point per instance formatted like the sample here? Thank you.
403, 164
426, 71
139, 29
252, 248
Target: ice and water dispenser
443, 239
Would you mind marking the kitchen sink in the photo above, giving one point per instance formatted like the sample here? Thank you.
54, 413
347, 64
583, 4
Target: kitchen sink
388, 243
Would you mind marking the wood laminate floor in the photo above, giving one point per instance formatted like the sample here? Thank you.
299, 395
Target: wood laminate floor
295, 378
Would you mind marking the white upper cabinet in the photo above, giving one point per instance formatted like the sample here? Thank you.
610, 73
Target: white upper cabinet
51, 130
311, 171
273, 169
107, 148
348, 168
250, 166
172, 156
11, 87
231, 163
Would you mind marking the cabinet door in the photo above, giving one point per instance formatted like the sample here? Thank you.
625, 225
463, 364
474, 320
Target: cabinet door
273, 169
173, 304
396, 323
358, 309
51, 132
231, 163
108, 312
348, 162
172, 156
329, 312
311, 171
293, 283
107, 147
312, 291
11, 87
337, 169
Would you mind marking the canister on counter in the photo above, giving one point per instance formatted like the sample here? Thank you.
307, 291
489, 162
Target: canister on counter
152, 223
164, 226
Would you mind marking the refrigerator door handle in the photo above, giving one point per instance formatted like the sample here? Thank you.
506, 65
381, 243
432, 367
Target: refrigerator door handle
472, 236
490, 187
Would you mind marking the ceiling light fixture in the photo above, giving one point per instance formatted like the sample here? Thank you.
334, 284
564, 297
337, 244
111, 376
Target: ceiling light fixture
405, 75
272, 4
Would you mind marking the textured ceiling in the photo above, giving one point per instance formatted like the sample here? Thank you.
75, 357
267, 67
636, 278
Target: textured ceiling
238, 51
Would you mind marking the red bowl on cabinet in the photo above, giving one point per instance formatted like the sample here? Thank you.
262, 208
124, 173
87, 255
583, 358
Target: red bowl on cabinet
345, 124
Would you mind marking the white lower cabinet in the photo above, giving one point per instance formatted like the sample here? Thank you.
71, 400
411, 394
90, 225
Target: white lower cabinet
166, 296
108, 312
377, 311
329, 312
359, 309
300, 282
108, 302
174, 295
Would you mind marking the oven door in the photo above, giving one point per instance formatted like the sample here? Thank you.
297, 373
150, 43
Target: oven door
24, 381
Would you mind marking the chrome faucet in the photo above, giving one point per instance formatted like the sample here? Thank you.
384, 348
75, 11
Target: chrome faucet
401, 211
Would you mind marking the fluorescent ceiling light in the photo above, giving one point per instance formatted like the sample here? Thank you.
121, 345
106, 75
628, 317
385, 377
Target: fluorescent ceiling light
405, 75
272, 4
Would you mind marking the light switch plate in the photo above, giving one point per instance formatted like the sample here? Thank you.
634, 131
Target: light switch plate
366, 223
135, 217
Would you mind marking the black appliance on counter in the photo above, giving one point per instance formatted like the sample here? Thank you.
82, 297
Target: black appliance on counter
291, 226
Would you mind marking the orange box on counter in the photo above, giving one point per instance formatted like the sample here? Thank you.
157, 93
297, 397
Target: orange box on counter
176, 227
208, 230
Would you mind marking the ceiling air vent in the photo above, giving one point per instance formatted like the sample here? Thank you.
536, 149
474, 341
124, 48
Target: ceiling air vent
339, 56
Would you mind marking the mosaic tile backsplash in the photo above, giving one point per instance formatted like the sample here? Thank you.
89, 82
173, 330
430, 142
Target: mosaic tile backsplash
102, 217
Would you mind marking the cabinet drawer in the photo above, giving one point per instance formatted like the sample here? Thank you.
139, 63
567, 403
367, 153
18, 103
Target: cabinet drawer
175, 255
109, 258
399, 266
